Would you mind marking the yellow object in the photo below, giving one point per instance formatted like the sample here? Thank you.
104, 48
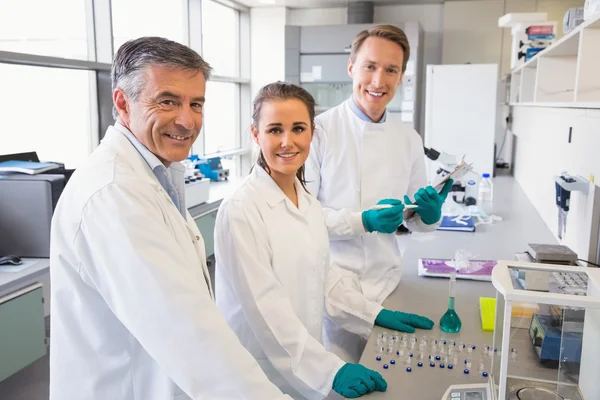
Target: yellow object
524, 310
487, 310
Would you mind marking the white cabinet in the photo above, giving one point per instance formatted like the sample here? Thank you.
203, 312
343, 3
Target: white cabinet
563, 75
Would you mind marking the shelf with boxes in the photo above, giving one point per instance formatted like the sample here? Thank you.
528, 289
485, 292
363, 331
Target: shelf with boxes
562, 75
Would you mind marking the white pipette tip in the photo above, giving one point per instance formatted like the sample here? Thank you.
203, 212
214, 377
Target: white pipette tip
384, 206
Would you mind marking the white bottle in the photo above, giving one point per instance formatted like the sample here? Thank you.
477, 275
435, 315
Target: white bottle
485, 194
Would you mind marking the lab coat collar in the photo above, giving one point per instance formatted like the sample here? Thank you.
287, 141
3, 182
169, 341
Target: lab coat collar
273, 195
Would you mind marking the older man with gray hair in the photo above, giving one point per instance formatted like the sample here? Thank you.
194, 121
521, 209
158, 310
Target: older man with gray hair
133, 316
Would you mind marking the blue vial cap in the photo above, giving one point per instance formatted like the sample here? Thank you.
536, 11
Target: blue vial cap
486, 175
392, 361
432, 364
442, 365
465, 361
437, 358
444, 342
474, 347
466, 371
411, 354
420, 364
450, 366
408, 369
378, 358
397, 352
485, 374
385, 366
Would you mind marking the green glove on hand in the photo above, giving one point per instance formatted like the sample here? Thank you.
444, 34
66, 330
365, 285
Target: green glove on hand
355, 380
430, 202
401, 321
385, 220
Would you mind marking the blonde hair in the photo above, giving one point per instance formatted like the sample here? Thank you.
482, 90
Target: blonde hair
389, 32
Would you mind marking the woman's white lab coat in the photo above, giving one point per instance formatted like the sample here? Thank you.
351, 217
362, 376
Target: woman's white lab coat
271, 265
352, 165
133, 316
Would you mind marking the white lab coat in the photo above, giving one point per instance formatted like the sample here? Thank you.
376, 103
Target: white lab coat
352, 165
271, 264
133, 316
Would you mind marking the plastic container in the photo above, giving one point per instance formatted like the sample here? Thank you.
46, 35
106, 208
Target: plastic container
471, 192
485, 193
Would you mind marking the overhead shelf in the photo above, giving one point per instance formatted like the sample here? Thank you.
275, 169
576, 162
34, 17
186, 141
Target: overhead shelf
564, 74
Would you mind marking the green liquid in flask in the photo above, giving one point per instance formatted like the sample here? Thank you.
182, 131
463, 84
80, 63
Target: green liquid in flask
450, 322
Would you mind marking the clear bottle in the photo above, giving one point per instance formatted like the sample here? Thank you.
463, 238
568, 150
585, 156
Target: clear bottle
485, 193
450, 322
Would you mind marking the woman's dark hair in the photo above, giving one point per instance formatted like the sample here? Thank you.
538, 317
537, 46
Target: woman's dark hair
283, 91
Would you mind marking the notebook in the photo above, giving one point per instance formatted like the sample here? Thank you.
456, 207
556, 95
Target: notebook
27, 167
479, 270
457, 223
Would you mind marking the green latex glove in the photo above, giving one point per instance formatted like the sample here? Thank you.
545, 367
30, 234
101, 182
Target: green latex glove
430, 202
355, 380
401, 321
386, 220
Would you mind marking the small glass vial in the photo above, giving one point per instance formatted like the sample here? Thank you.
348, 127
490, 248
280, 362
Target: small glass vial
513, 354
401, 351
380, 349
468, 363
390, 349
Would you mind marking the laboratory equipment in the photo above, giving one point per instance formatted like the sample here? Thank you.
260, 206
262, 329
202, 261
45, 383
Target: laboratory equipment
485, 193
212, 168
197, 191
450, 322
556, 355
26, 208
551, 254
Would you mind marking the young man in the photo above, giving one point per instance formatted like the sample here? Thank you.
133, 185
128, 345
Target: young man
361, 156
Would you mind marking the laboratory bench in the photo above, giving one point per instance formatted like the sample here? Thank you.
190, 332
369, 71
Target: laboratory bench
520, 225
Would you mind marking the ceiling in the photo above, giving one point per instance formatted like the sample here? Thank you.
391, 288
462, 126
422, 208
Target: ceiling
328, 3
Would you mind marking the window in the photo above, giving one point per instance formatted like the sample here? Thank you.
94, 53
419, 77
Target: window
49, 113
221, 117
220, 38
135, 18
40, 27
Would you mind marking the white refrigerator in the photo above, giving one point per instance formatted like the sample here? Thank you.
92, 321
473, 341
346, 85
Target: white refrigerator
461, 112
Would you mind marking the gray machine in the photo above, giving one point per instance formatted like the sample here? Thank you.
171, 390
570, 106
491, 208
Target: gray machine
27, 203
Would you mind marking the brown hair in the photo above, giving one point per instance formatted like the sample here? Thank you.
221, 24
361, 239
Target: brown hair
389, 32
282, 91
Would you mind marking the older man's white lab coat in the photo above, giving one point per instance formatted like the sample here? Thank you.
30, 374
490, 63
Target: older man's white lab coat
272, 261
133, 316
352, 165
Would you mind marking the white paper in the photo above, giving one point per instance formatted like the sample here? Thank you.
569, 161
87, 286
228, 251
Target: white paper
410, 68
408, 106
408, 94
407, 117
306, 77
317, 72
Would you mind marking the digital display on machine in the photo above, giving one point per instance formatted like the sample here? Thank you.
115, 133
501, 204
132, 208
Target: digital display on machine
473, 396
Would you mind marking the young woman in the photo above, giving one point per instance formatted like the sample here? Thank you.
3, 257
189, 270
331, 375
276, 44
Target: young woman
272, 256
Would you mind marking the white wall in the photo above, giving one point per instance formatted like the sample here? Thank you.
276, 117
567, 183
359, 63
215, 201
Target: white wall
471, 32
267, 46
543, 151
